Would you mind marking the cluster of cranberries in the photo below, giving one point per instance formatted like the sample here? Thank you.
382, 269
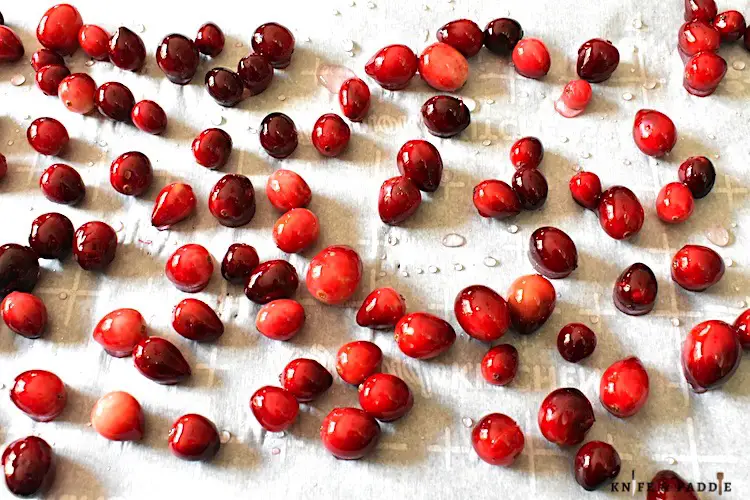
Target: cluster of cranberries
676, 200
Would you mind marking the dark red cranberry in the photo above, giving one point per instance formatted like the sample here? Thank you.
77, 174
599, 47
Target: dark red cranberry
19, 269
624, 387
330, 134
493, 198
482, 313
275, 408
531, 300
62, 184
526, 152
333, 275
742, 325
597, 60
668, 485
531, 188
654, 133
255, 72
193, 437
385, 397
497, 439
730, 25
29, 466
596, 463
178, 58
502, 35
422, 335
25, 314
126, 50
704, 10
296, 230
209, 40
586, 189
47, 136
552, 253
280, 319
232, 200
635, 290
212, 148
703, 73
58, 29
286, 190
11, 47
149, 117
698, 174
620, 213
239, 262
278, 135
195, 320
39, 394
420, 162
44, 57
349, 433
398, 200
354, 99
94, 245
174, 203
675, 203
118, 416
500, 364
576, 342
392, 66
78, 93
274, 42
531, 58
443, 68
271, 280
93, 41
445, 116
463, 35
697, 36
119, 331
51, 236
131, 173
114, 100
49, 78
306, 379
381, 309
3, 166
358, 360
711, 354
190, 268
697, 268
565, 417
159, 360
224, 86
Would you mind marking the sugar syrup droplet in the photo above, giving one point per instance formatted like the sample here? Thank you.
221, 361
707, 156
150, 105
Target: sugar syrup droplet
453, 240
718, 235
225, 437
490, 261
17, 80
468, 422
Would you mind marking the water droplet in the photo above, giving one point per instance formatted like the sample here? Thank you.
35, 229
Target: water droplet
733, 225
738, 65
577, 168
513, 229
486, 142
637, 23
275, 451
217, 119
470, 103
490, 101
490, 262
62, 296
458, 267
89, 63
282, 97
102, 143
712, 137
371, 5
649, 85
347, 45
420, 270
594, 319
140, 28
632, 70
381, 274
405, 274
585, 155
626, 162
736, 289
467, 421
453, 240
675, 321
331, 76
671, 461
741, 304
238, 44
392, 240
542, 95
564, 139
717, 156
718, 235
10, 143
433, 270
728, 262
225, 437
17, 80
91, 164
383, 257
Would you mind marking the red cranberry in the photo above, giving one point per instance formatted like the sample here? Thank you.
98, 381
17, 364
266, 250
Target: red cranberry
565, 417
482, 313
531, 299
3, 166
381, 309
224, 86
620, 213
175, 202
94, 41
742, 325
624, 387
358, 360
275, 408
576, 342
654, 133
11, 47
500, 364
278, 135
274, 42
19, 269
420, 162
349, 433
149, 117
114, 100
697, 268
385, 397
422, 335
354, 99
131, 173
526, 152
47, 136
159, 360
399, 199
531, 188
493, 198
668, 485
212, 148
271, 280
443, 67
531, 58
49, 78
704, 10
29, 466
296, 230
502, 35
596, 463
306, 379
194, 437
575, 96
392, 67
117, 416
94, 245
675, 203
190, 268
232, 200
126, 50
497, 439
178, 58
51, 236
209, 40
463, 35
239, 262
698, 174
703, 73
78, 93
597, 60
330, 135
195, 320
635, 290
445, 116
255, 72
39, 394
44, 57
697, 36
552, 253
62, 184
711, 354
730, 25
334, 274
280, 319
586, 189
120, 331
58, 29
25, 314
286, 190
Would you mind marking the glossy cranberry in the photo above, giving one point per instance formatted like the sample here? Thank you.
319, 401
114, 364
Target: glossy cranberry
274, 42
193, 437
730, 25
78, 93
25, 314
502, 35
296, 230
526, 152
224, 86
349, 433
624, 387
742, 325
422, 335
159, 360
463, 35
280, 319
654, 133
668, 485
209, 40
576, 342
94, 41
482, 313
232, 200
552, 253
175, 202
381, 309
445, 116
358, 360
330, 134
493, 198
19, 269
565, 417
531, 58
635, 290
575, 96
531, 299
497, 439
255, 72
597, 60
443, 67
385, 397
239, 262
120, 331
271, 280
212, 148
586, 189
675, 203
306, 379
698, 174
58, 29
420, 162
117, 416
3, 166
195, 320
62, 184
278, 135
697, 36
531, 188
131, 173
178, 58
711, 354
94, 245
704, 10
44, 57
399, 199
334, 274
697, 268
354, 99
47, 136
392, 67
703, 73
149, 117
596, 463
620, 213
49, 78
286, 190
51, 236
11, 47
114, 100
29, 466
275, 408
500, 364
190, 268
39, 394
126, 50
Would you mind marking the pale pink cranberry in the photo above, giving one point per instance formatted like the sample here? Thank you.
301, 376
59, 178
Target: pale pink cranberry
358, 360
443, 67
654, 133
531, 300
703, 73
711, 354
500, 364
385, 397
190, 268
697, 36
39, 394
48, 78
11, 47
58, 29
280, 319
620, 213
296, 230
274, 42
675, 203
77, 92
209, 40
586, 189
126, 50
24, 313
354, 98
392, 67
482, 313
597, 60
497, 439
624, 387
286, 190
120, 331
94, 41
496, 199
423, 335
275, 408
159, 360
175, 202
330, 135
696, 268
730, 25
420, 162
565, 417
398, 200
527, 152
334, 274
575, 97
463, 35
531, 58
195, 320
117, 416
704, 10
381, 309
44, 57
149, 117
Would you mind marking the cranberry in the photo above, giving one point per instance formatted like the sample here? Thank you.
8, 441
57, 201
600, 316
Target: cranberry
502, 35
49, 78
354, 99
493, 198
381, 309
209, 40
698, 174
565, 417
286, 190
500, 364
552, 253
635, 290
586, 189
62, 184
190, 268
149, 117
422, 335
531, 299
224, 86
239, 262
25, 314
93, 41
78, 93
94, 245
51, 236
3, 166
278, 135
747, 38
29, 466
420, 162
349, 433
526, 152
482, 313
399, 199
531, 58
704, 10
334, 274
330, 135
131, 173
742, 325
159, 360
126, 50
178, 58
463, 35
668, 485
445, 116
232, 200
697, 36
275, 408
271, 280
597, 60
58, 29
497, 439
596, 463
117, 416
212, 148
175, 202
296, 230
730, 25
385, 397
195, 320
120, 331
358, 360
711, 354
47, 136
703, 73
274, 42
114, 100
443, 67
531, 188
392, 67
620, 213
576, 342
44, 57
624, 387
11, 47
280, 319
675, 203
306, 379
654, 133
575, 96
194, 437
697, 268
255, 72
19, 269
39, 394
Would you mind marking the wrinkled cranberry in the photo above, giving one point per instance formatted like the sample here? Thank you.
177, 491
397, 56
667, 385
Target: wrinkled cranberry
381, 309
174, 203
697, 36
349, 433
62, 184
195, 320
576, 342
286, 190
392, 66
654, 133
209, 40
445, 116
19, 269
78, 93
711, 354
271, 280
278, 135
596, 463
526, 152
675, 203
212, 147
330, 134
586, 189
94, 245
280, 319
697, 268
635, 290
178, 58
482, 313
500, 364
47, 136
698, 174
502, 35
531, 58
493, 198
194, 437
385, 397
120, 331
354, 99
730, 25
565, 417
742, 325
159, 360
668, 485
224, 86
575, 96
58, 29
126, 50
25, 314
274, 42
44, 57
117, 416
93, 41
703, 73
149, 117
443, 67
422, 335
296, 230
463, 35
239, 262
255, 72
190, 268
114, 100
552, 253
306, 379
497, 439
275, 408
334, 274
358, 360
29, 466
620, 213
51, 236
49, 78
704, 10
131, 173
420, 162
531, 187
597, 60
624, 387
232, 200
399, 199
531, 299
